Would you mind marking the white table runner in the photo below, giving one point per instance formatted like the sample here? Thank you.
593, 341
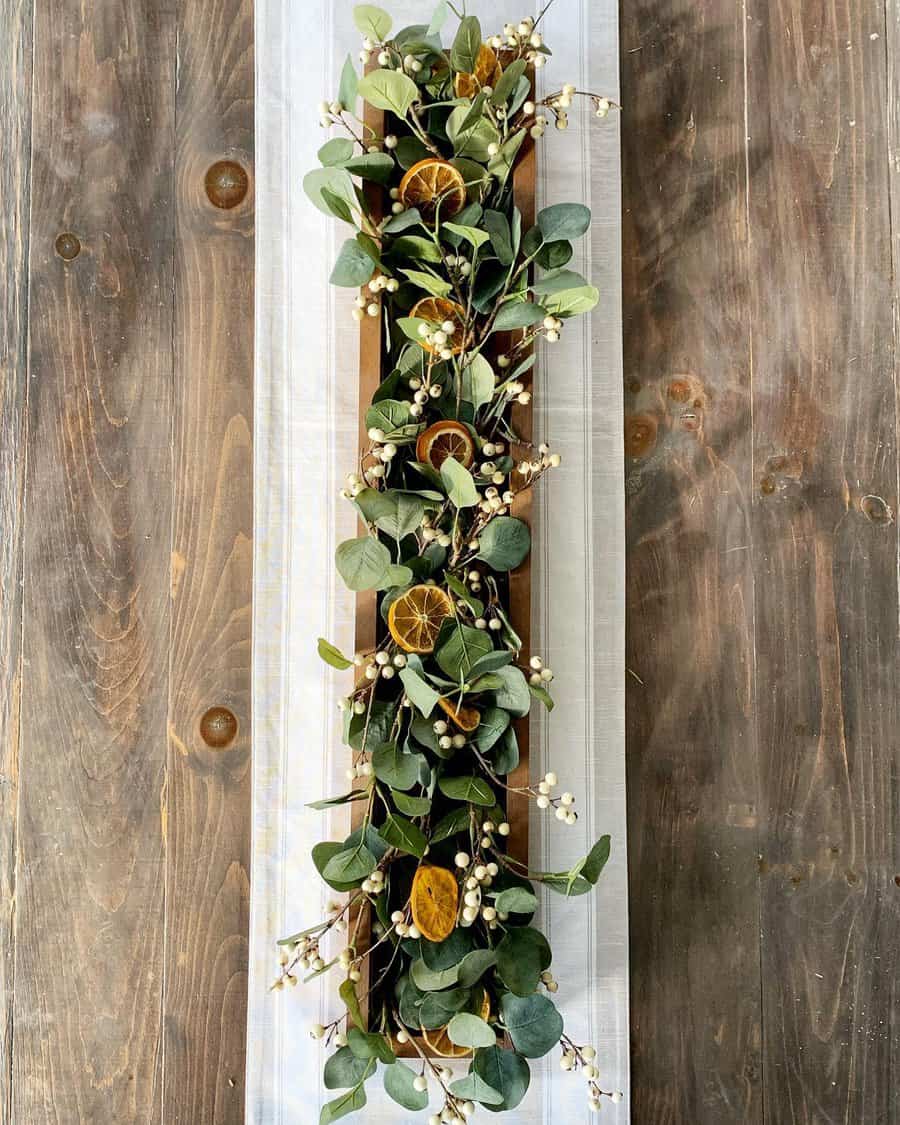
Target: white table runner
305, 433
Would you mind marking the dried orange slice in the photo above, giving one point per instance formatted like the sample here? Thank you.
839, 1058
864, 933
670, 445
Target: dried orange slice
466, 718
441, 1043
435, 187
416, 617
487, 73
434, 900
442, 440
438, 310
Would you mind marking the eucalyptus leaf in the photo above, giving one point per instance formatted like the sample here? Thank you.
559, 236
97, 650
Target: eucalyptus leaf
436, 286
395, 767
372, 22
494, 722
514, 696
500, 165
518, 314
542, 695
347, 90
353, 266
557, 280
596, 860
335, 151
459, 484
463, 647
471, 234
403, 221
335, 802
522, 956
503, 1070
444, 954
473, 141
403, 835
572, 302
389, 90
351, 1102
344, 1069
399, 1082
347, 993
375, 166
497, 226
433, 980
362, 562
399, 513
563, 221
415, 246
350, 865
466, 45
474, 965
438, 18
473, 1087
504, 543
411, 806
333, 656
370, 1045
474, 790
468, 1030
423, 696
337, 182
438, 1008
516, 900
449, 825
509, 80
533, 1023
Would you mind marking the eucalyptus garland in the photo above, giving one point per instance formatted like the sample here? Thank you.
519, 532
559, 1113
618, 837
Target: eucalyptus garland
433, 916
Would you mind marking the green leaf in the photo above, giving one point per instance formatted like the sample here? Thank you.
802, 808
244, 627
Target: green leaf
494, 722
478, 381
474, 1088
398, 1084
444, 954
466, 45
403, 835
503, 1070
433, 980
335, 151
390, 90
439, 1008
449, 825
348, 85
422, 694
351, 1102
334, 802
505, 757
553, 255
533, 1023
475, 790
362, 562
522, 956
516, 900
438, 18
375, 166
394, 767
353, 266
431, 284
562, 883
350, 865
463, 647
497, 226
322, 855
395, 576
518, 314
514, 695
471, 234
389, 414
372, 22
596, 860
335, 181
473, 141
403, 221
459, 484
333, 656
541, 694
347, 993
415, 246
409, 151
412, 806
508, 82
572, 302
409, 326
344, 1069
460, 589
370, 1045
467, 1030
490, 662
474, 965
504, 543
476, 110
501, 164
558, 280
396, 513
564, 221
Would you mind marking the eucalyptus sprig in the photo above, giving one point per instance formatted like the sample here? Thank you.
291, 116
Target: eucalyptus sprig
434, 924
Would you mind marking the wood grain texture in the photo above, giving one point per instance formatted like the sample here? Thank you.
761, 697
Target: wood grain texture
209, 792
825, 549
89, 894
15, 127
691, 744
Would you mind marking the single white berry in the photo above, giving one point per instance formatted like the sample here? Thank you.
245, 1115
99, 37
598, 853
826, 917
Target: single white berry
420, 1083
461, 859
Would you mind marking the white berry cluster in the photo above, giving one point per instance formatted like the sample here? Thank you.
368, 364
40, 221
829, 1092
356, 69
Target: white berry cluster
524, 37
430, 534
531, 470
403, 927
330, 113
477, 876
539, 674
367, 305
576, 1058
448, 741
397, 206
458, 264
552, 327
562, 805
440, 339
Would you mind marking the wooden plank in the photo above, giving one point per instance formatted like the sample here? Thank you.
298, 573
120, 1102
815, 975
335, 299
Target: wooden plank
15, 128
89, 894
825, 545
691, 743
209, 790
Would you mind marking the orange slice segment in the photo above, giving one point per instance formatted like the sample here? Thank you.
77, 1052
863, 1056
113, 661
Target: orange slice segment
487, 73
437, 310
435, 187
442, 440
416, 617
434, 900
466, 718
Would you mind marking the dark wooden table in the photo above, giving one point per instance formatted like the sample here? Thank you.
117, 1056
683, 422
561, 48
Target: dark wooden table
760, 167
760, 177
